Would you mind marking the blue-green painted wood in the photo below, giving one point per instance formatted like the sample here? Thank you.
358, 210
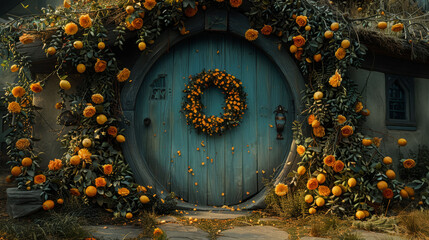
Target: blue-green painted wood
234, 175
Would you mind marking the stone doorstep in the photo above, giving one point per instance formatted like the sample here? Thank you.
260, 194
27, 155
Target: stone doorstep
113, 232
179, 231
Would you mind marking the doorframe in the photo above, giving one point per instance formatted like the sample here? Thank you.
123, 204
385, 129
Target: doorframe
236, 24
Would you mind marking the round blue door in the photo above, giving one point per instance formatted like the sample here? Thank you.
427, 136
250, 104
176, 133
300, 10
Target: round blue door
213, 170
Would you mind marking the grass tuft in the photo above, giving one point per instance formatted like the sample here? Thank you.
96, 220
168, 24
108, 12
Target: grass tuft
415, 224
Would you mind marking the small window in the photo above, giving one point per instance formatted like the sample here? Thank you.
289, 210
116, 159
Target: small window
400, 112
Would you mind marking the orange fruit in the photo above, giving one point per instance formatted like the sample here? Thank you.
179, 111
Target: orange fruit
81, 68
329, 34
404, 194
387, 160
75, 160
365, 112
351, 182
345, 43
101, 45
308, 198
317, 57
318, 95
120, 138
402, 142
28, 188
101, 119
382, 185
144, 199
78, 44
382, 25
51, 50
86, 142
366, 142
312, 210
26, 162
335, 26
16, 171
366, 213
301, 170
14, 68
307, 28
129, 9
337, 191
60, 201
409, 190
142, 46
321, 178
91, 191
359, 9
9, 178
320, 202
390, 174
64, 84
129, 215
360, 215
48, 205
293, 49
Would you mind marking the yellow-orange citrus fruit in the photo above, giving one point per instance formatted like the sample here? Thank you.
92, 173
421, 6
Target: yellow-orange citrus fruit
129, 215
26, 162
75, 160
359, 9
317, 57
321, 178
360, 215
301, 170
318, 95
308, 198
366, 213
293, 49
366, 142
387, 160
382, 25
78, 44
351, 182
120, 138
16, 171
60, 201
329, 34
51, 50
345, 43
101, 119
337, 191
101, 45
404, 194
144, 199
410, 191
81, 68
48, 205
64, 84
320, 202
142, 46
391, 174
91, 191
129, 9
402, 142
307, 28
9, 178
312, 210
335, 26
14, 68
382, 185
86, 142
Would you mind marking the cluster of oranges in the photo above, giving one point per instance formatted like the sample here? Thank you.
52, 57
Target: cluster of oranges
235, 101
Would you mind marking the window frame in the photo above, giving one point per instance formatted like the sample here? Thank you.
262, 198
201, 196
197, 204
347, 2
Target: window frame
407, 84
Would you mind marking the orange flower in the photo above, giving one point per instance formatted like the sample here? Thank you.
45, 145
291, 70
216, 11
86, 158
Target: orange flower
398, 27
301, 20
74, 192
335, 80
137, 23
89, 111
319, 131
85, 21
346, 131
123, 191
157, 232
107, 169
267, 30
66, 4
311, 118
26, 38
300, 150
251, 34
36, 87
112, 131
38, 179
281, 189
298, 54
324, 191
409, 163
341, 119
340, 53
123, 75
190, 12
97, 98
376, 141
235, 3
14, 107
388, 193
312, 183
141, 189
329, 160
71, 28
100, 65
298, 41
55, 165
338, 166
149, 4
22, 144
58, 105
18, 91
84, 154
100, 182
358, 107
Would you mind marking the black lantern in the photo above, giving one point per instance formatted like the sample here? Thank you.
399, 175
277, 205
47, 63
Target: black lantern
280, 120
